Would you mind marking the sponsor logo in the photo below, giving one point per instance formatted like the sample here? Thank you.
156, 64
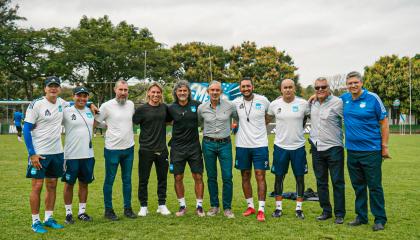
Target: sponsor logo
295, 108
258, 106
193, 109
241, 106
89, 115
362, 104
47, 113
60, 108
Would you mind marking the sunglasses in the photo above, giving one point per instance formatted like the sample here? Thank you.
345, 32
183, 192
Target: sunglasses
321, 87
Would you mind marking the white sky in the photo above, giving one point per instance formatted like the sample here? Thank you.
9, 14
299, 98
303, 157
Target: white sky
324, 37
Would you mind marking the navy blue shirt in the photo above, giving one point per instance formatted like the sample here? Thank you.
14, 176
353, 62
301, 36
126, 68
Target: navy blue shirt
361, 120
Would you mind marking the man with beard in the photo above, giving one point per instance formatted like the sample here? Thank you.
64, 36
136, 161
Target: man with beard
117, 113
185, 145
152, 117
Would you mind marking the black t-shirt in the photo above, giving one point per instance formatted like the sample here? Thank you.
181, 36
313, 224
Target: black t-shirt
152, 120
185, 125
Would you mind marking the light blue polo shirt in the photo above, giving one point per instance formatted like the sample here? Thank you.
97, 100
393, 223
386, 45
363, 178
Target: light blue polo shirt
361, 120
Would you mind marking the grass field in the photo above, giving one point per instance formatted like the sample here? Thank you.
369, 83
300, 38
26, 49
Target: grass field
400, 180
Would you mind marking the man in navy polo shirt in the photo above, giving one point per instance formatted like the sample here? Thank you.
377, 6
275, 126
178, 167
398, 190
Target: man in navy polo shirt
367, 133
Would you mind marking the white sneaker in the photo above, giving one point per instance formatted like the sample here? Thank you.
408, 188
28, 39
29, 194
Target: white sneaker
143, 212
19, 139
162, 209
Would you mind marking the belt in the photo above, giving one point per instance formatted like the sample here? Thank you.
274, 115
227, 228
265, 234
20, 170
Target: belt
219, 140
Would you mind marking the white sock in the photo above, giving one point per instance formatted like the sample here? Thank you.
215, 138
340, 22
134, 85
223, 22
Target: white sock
199, 203
68, 209
298, 205
48, 214
279, 205
250, 202
35, 218
261, 205
182, 202
82, 208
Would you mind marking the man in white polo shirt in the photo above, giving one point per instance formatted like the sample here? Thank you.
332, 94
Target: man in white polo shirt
252, 144
117, 114
289, 145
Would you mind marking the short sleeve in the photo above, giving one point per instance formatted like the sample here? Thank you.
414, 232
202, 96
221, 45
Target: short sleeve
307, 108
270, 109
31, 114
102, 115
168, 114
267, 104
380, 109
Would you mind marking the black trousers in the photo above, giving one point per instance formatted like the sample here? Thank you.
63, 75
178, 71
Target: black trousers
146, 160
332, 161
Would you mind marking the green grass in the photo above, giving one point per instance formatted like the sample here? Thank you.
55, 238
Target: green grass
400, 180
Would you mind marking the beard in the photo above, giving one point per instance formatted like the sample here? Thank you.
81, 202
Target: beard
121, 101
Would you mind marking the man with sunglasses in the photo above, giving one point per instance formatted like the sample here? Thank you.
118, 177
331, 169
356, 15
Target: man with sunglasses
326, 138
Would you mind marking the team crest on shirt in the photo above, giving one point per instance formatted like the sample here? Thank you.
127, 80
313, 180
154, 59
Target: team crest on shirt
60, 108
89, 115
278, 110
362, 105
33, 171
73, 117
241, 106
258, 106
47, 113
193, 109
347, 101
295, 108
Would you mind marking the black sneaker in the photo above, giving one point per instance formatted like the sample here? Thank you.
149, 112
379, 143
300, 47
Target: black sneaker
277, 213
299, 214
69, 219
128, 212
84, 217
110, 214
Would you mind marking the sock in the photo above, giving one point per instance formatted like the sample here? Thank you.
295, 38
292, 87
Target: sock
250, 202
35, 218
298, 205
82, 208
48, 214
261, 205
182, 202
279, 205
199, 202
68, 209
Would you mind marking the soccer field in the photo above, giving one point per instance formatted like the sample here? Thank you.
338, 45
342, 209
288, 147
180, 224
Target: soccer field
400, 181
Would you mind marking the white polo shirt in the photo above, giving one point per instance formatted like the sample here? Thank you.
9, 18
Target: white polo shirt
252, 133
47, 118
119, 121
289, 122
79, 129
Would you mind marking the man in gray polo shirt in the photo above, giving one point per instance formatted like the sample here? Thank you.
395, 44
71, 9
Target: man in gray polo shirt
216, 116
326, 138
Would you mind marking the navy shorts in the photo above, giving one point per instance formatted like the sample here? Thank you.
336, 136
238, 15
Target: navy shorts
246, 157
282, 157
52, 167
179, 161
81, 169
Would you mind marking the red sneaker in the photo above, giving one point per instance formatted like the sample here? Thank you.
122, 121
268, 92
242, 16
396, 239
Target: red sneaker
248, 212
261, 216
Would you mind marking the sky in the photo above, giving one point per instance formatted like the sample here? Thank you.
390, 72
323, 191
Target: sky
323, 37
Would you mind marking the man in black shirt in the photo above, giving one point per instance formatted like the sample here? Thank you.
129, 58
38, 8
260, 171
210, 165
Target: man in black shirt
185, 145
152, 118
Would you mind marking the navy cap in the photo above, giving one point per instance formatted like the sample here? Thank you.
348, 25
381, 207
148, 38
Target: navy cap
52, 80
80, 89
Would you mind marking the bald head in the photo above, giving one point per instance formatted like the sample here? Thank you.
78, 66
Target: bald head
288, 82
287, 88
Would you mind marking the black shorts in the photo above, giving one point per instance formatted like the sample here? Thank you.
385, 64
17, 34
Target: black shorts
18, 128
180, 158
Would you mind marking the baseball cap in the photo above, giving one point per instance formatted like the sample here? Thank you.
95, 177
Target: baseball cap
52, 80
80, 89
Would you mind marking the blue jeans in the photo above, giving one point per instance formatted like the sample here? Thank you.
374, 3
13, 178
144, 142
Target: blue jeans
113, 158
223, 151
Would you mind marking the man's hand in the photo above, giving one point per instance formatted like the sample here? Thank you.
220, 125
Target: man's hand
385, 152
94, 109
312, 98
35, 161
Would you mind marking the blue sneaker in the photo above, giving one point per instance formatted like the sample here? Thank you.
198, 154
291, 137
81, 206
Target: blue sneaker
38, 228
52, 223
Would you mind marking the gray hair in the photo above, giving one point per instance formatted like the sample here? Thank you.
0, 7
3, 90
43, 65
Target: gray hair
322, 79
216, 82
178, 85
120, 81
354, 74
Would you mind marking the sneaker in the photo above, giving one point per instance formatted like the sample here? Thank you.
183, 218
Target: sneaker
200, 212
277, 213
143, 212
339, 220
378, 227
356, 222
323, 217
84, 217
110, 214
249, 211
52, 223
181, 212
213, 211
128, 212
162, 209
69, 219
299, 214
228, 213
260, 216
38, 228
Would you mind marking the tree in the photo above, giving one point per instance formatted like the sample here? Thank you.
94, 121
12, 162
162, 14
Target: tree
308, 91
389, 78
8, 15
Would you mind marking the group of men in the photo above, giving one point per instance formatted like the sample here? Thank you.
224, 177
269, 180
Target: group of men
366, 142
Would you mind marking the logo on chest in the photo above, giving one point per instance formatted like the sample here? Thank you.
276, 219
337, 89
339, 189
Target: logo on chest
258, 106
60, 108
47, 113
278, 110
362, 105
193, 109
89, 115
295, 108
73, 117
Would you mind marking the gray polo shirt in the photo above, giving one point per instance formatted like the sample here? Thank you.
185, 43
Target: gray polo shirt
326, 123
217, 121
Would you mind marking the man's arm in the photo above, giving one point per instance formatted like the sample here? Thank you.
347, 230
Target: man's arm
385, 137
27, 128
